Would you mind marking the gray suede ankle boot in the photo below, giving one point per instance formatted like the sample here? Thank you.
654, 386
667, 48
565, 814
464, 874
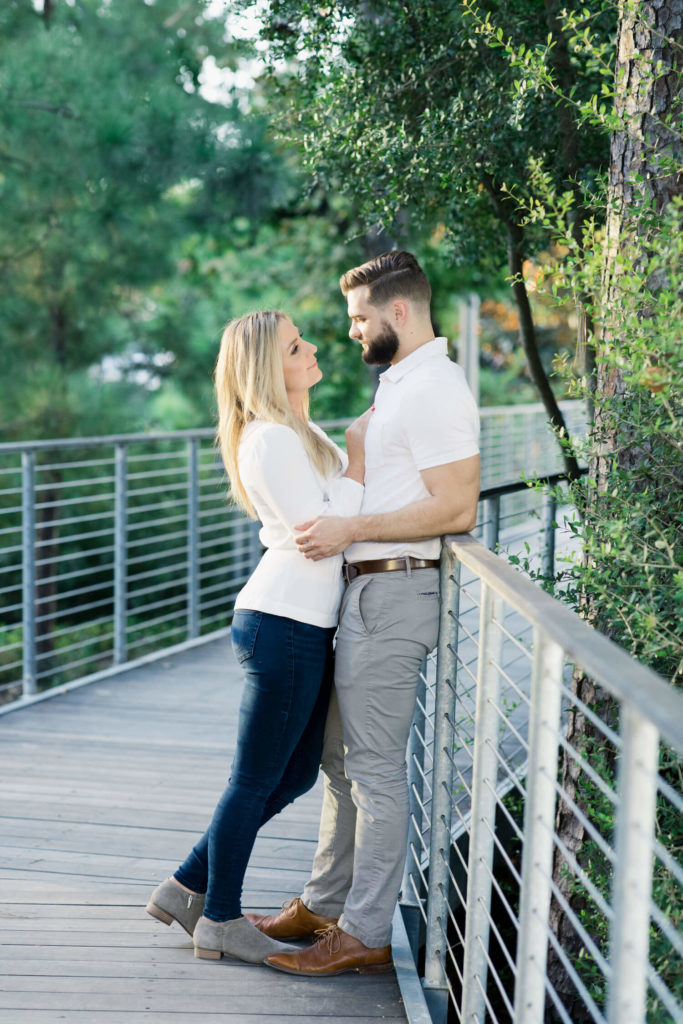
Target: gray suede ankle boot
169, 903
238, 939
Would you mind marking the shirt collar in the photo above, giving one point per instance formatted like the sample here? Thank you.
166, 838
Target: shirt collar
437, 347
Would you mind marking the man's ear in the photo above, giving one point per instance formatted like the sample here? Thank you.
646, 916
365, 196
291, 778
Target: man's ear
399, 312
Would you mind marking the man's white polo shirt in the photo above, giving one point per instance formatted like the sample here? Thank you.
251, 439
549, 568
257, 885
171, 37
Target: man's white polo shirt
425, 416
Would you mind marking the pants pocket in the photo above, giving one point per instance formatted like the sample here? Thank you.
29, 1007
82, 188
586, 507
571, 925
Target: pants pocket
367, 606
244, 633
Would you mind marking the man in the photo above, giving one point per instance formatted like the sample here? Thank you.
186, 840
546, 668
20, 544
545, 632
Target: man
421, 481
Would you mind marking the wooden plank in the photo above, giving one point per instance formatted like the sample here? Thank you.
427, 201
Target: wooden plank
107, 865
168, 848
191, 822
51, 1016
263, 884
224, 980
106, 789
63, 892
121, 999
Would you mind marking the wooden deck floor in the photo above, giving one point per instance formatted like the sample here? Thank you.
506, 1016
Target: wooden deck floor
103, 791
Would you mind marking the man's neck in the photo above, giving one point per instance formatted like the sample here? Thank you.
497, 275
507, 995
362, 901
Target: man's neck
411, 341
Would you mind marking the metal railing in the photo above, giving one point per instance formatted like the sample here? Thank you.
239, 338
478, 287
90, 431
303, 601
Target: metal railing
543, 878
516, 441
114, 548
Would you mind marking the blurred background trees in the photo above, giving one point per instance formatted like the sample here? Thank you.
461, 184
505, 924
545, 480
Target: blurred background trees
163, 169
137, 216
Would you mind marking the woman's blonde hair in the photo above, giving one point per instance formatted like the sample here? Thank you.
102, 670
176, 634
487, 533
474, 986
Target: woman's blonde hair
250, 385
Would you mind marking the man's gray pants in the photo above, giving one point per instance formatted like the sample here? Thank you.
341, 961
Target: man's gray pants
388, 623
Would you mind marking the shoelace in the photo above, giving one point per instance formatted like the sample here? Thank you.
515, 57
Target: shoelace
288, 904
331, 934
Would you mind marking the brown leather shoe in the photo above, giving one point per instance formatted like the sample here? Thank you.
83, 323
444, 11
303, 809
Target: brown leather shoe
334, 952
295, 921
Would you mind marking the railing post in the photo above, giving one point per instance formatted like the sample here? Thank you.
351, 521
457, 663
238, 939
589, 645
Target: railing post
436, 991
412, 882
120, 551
28, 563
549, 520
539, 817
515, 437
192, 538
492, 522
485, 770
632, 885
532, 431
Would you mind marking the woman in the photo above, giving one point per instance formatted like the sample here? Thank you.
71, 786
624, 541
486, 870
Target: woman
283, 470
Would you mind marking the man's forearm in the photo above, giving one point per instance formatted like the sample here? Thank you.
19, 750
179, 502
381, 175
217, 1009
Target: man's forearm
450, 507
421, 520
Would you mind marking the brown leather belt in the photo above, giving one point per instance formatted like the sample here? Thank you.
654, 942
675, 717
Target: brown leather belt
352, 569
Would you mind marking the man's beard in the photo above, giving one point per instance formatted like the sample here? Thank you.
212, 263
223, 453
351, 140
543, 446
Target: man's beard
382, 348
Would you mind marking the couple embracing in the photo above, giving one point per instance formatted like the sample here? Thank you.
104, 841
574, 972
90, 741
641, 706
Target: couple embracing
333, 625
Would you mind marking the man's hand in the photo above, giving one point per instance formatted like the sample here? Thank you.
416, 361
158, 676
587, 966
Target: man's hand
325, 536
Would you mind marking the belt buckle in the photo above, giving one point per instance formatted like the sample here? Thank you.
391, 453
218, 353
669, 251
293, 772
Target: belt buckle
349, 571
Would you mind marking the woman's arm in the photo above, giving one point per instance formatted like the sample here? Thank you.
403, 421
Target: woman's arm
282, 475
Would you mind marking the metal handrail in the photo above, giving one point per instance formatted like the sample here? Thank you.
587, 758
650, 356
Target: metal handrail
196, 433
208, 433
599, 657
441, 882
63, 513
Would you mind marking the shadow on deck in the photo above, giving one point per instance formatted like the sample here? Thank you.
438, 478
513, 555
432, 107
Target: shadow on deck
104, 790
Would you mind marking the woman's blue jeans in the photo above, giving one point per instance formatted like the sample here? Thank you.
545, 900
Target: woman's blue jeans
288, 668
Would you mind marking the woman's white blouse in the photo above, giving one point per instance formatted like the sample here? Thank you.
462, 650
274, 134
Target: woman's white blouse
286, 490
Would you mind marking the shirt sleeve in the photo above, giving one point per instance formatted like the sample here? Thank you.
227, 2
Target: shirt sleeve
282, 474
441, 423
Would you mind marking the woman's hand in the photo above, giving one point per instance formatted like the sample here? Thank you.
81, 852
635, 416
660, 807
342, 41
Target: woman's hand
355, 446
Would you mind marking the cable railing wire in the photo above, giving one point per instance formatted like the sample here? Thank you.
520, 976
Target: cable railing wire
192, 514
518, 850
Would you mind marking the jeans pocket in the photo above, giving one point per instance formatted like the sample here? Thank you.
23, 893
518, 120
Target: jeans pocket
244, 633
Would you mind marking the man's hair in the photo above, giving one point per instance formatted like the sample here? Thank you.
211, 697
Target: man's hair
393, 275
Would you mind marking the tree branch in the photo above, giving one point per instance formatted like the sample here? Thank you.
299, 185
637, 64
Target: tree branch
527, 330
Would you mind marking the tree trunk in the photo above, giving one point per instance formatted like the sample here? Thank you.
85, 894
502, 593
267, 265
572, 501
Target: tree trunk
527, 331
644, 99
565, 75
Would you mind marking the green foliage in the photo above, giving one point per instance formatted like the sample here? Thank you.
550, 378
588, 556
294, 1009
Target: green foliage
414, 110
631, 510
631, 571
109, 156
293, 264
628, 578
139, 217
418, 111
